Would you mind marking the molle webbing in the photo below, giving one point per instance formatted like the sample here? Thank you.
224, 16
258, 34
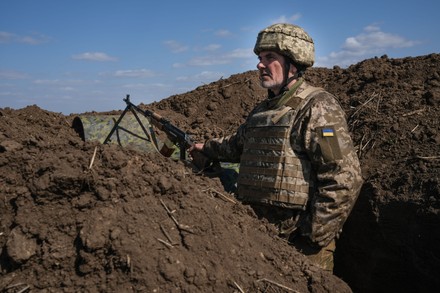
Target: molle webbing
271, 159
274, 172
265, 175
270, 171
267, 146
267, 196
275, 133
275, 184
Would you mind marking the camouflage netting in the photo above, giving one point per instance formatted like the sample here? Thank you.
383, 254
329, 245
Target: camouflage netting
128, 133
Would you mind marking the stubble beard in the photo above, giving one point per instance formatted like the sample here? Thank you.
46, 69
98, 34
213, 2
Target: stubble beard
269, 83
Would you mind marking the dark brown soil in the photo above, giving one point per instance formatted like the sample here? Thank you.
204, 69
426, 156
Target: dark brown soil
137, 222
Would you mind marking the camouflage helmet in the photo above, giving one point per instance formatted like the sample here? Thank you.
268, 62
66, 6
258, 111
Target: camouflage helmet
289, 40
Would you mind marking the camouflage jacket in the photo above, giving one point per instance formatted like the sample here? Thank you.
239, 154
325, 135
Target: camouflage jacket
320, 131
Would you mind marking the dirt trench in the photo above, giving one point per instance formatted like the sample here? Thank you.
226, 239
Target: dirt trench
129, 221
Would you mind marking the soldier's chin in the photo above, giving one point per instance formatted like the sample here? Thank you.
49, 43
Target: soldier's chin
268, 84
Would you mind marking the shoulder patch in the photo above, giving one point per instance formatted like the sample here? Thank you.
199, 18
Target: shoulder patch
327, 132
328, 144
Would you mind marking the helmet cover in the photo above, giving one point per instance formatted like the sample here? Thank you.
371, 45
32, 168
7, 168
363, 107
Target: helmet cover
289, 40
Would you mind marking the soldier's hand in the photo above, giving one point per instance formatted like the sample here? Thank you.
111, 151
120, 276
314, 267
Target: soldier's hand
199, 159
196, 147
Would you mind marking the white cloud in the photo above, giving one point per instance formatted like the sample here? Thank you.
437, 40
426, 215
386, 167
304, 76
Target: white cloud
202, 76
65, 82
9, 94
207, 61
175, 46
11, 74
219, 59
68, 89
94, 56
240, 53
138, 73
178, 65
33, 39
371, 42
285, 19
47, 81
373, 39
144, 86
6, 37
223, 33
212, 47
134, 86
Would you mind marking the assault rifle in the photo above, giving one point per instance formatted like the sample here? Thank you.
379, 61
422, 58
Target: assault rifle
177, 136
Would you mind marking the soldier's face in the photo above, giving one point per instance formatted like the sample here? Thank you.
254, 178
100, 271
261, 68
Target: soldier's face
271, 70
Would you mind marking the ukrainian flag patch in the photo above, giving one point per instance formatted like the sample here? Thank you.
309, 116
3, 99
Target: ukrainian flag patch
328, 132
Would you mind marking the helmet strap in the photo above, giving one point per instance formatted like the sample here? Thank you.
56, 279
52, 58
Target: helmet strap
286, 68
287, 79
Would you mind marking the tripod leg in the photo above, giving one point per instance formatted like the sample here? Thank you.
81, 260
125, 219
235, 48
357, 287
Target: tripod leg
116, 125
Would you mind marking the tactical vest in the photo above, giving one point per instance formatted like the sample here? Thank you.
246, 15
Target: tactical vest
270, 171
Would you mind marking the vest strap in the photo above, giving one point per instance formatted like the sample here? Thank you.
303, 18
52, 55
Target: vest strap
294, 102
305, 93
283, 112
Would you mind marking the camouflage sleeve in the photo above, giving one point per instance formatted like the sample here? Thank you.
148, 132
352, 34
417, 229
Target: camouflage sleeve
226, 149
338, 175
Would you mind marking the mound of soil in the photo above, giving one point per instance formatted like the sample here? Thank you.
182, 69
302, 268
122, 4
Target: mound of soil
79, 216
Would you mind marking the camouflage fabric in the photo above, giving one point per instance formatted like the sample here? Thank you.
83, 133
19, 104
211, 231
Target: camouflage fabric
320, 132
128, 134
289, 40
284, 219
322, 257
286, 222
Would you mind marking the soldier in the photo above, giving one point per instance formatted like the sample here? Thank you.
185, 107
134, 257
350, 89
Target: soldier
298, 166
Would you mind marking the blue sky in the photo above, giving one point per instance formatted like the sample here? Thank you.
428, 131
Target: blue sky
78, 56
